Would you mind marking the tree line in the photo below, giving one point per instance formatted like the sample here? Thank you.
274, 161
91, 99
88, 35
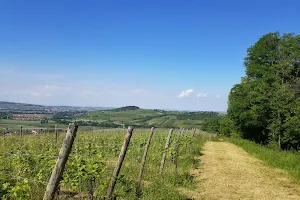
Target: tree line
265, 106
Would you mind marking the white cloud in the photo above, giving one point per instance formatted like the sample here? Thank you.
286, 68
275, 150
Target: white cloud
202, 95
218, 96
185, 93
49, 86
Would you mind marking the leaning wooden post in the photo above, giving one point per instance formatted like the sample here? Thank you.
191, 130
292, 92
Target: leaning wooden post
165, 152
117, 169
61, 162
144, 158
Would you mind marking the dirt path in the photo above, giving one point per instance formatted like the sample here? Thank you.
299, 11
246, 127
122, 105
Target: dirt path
228, 172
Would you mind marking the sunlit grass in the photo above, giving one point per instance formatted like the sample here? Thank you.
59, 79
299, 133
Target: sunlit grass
286, 160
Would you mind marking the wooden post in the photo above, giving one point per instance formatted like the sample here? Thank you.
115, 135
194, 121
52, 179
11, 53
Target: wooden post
91, 189
279, 141
90, 181
61, 162
176, 146
117, 169
165, 152
21, 131
5, 132
176, 149
181, 132
56, 135
144, 158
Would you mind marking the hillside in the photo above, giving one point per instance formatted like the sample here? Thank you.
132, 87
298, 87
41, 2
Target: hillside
99, 117
132, 115
14, 107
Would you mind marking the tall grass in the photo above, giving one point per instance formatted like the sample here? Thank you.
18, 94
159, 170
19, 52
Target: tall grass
286, 160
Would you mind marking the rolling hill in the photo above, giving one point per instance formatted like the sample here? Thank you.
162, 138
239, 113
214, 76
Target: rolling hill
132, 115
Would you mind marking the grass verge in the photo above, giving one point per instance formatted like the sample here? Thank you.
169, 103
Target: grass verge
286, 160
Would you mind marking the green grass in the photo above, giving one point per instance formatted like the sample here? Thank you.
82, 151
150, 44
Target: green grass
286, 160
30, 157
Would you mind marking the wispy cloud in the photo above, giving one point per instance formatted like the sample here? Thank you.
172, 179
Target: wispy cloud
218, 96
185, 93
57, 87
202, 95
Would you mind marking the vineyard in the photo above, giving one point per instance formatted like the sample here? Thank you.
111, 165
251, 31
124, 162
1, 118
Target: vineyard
26, 164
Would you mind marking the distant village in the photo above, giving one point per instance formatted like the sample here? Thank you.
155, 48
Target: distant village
29, 117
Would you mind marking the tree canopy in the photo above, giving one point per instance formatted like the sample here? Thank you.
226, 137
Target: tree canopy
265, 106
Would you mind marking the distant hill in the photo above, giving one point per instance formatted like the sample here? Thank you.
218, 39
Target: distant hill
111, 117
127, 108
25, 108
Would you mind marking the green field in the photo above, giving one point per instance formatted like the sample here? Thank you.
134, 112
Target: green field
16, 124
142, 118
25, 171
147, 118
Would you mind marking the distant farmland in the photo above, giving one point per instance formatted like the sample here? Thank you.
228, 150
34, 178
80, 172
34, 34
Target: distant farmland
147, 118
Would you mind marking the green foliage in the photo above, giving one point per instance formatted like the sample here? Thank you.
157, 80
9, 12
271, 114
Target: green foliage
44, 121
226, 126
126, 108
5, 115
211, 125
99, 124
19, 191
223, 125
264, 107
26, 164
198, 115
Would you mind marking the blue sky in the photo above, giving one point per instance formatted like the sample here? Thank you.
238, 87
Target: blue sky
183, 55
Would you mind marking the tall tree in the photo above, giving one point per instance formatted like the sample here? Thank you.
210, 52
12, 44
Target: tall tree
264, 106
